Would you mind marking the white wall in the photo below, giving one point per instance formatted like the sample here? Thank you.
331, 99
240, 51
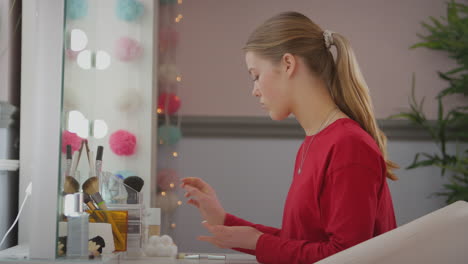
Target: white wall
252, 177
215, 79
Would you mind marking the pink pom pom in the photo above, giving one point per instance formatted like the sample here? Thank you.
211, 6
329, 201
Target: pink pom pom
72, 55
127, 49
122, 143
72, 139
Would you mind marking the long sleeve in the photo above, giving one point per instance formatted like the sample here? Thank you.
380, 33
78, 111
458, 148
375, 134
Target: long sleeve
232, 220
348, 206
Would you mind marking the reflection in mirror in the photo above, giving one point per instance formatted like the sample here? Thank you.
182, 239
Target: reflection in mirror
108, 107
78, 124
84, 59
103, 60
78, 40
99, 129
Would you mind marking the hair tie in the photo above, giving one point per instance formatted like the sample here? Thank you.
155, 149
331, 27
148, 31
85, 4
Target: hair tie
328, 37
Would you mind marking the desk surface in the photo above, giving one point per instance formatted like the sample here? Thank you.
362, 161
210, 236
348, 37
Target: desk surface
230, 258
18, 255
122, 259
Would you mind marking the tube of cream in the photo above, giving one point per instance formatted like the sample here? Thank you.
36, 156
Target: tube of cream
191, 256
216, 257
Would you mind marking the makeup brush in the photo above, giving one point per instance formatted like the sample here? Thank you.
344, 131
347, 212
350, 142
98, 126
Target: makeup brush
89, 202
87, 149
91, 187
79, 153
92, 167
70, 185
98, 164
69, 161
75, 161
133, 185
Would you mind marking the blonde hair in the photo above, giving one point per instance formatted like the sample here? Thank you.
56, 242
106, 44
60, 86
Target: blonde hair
294, 33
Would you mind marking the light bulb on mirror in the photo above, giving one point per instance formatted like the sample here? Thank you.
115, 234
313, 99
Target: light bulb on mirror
99, 128
84, 59
78, 124
103, 60
78, 40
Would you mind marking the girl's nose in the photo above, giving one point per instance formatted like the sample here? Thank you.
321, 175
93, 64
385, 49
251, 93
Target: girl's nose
255, 92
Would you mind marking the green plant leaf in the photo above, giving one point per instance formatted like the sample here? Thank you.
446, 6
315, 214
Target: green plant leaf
448, 34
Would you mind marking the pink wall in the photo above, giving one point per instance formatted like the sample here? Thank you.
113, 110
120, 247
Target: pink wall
215, 80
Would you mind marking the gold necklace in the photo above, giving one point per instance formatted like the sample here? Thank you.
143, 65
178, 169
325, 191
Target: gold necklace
304, 153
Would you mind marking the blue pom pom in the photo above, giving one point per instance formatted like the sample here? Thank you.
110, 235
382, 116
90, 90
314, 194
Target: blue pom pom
169, 134
77, 9
129, 10
167, 2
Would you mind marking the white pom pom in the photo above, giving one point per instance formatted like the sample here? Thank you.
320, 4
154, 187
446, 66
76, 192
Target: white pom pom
163, 251
150, 251
161, 246
174, 250
154, 240
166, 240
129, 101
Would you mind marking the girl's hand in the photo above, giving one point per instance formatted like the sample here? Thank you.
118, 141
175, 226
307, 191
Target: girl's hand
203, 196
245, 237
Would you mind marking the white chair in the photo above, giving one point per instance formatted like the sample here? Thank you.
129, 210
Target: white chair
438, 237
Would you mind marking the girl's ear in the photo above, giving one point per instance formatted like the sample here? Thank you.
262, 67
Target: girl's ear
288, 63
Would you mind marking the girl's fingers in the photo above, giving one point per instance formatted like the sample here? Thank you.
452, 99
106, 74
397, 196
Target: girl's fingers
207, 226
194, 203
214, 229
195, 182
206, 238
191, 191
211, 240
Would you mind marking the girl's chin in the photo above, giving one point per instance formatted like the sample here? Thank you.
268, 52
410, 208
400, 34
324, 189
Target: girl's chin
276, 116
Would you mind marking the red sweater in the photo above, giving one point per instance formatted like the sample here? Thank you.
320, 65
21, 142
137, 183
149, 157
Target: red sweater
340, 199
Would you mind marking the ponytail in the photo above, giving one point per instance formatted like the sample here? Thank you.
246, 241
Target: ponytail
350, 92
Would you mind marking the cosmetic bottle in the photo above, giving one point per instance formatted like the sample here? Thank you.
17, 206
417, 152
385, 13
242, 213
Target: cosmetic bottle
78, 229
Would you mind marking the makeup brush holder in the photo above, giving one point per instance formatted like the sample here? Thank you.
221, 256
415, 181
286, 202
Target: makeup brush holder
136, 225
119, 222
112, 188
117, 196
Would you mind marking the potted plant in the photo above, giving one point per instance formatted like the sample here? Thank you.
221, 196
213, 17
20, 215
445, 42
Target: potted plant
448, 34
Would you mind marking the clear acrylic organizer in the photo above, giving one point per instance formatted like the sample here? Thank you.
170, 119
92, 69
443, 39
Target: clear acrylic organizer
115, 193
